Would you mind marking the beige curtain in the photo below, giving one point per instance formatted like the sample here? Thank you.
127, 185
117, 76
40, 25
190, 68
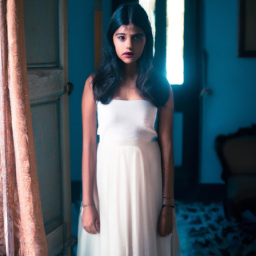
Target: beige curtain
21, 222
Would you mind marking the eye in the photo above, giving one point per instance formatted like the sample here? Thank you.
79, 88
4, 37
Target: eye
121, 38
137, 37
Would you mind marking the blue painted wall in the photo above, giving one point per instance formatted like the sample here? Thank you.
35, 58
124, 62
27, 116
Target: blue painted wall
232, 103
81, 64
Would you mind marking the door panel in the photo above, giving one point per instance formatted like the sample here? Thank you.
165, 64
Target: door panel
46, 49
45, 82
41, 32
45, 118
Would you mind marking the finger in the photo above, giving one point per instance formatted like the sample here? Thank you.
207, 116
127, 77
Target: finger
97, 224
90, 230
93, 229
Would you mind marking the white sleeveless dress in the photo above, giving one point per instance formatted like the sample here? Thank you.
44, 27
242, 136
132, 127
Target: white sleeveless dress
128, 185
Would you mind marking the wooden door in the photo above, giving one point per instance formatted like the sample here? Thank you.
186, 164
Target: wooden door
46, 50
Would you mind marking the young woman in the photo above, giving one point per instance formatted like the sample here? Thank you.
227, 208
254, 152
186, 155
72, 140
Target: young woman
128, 200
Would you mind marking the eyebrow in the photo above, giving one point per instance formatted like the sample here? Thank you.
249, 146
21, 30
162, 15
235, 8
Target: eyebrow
137, 34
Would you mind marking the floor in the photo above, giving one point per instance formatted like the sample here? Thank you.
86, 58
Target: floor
203, 230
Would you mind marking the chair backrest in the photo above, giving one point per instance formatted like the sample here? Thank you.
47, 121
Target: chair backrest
240, 154
237, 152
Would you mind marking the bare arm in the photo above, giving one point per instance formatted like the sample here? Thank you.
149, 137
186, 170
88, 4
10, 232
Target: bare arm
165, 132
89, 142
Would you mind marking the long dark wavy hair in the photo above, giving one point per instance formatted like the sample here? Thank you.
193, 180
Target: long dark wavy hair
107, 77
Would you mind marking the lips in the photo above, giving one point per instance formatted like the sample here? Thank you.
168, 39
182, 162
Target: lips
128, 54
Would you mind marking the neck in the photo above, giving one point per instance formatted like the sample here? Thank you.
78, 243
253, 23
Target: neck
130, 71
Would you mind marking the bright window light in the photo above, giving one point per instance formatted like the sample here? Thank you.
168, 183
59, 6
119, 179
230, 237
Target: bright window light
174, 37
175, 42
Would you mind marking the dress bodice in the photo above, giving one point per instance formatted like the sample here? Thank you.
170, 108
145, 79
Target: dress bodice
126, 120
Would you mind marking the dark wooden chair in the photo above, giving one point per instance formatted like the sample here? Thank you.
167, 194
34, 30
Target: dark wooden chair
237, 154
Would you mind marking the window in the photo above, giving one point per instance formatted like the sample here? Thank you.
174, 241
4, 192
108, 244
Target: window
174, 37
175, 41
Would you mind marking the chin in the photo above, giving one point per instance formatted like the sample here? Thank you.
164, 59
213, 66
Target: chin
128, 61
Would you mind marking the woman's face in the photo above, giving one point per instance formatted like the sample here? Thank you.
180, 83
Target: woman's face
129, 42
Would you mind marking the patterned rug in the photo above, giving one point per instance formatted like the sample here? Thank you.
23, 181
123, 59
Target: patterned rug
203, 230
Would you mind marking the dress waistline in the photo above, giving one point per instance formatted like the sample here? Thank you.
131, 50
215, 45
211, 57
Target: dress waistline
126, 142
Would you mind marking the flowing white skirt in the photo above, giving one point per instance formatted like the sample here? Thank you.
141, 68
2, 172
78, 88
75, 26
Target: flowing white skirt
128, 196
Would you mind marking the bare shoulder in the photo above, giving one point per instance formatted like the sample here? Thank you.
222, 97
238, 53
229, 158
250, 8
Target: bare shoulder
89, 109
88, 82
169, 103
88, 90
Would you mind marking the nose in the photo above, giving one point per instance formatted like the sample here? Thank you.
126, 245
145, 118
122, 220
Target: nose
129, 43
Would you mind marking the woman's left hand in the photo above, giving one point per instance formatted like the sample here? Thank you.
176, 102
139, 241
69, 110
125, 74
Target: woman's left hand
165, 221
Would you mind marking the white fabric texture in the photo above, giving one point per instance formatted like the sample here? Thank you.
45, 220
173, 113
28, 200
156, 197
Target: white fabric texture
126, 120
128, 185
